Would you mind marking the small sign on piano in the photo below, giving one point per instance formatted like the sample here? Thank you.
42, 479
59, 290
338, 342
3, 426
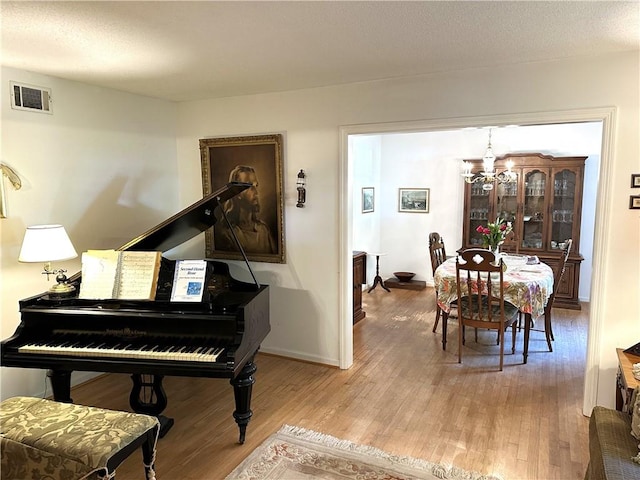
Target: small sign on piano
188, 281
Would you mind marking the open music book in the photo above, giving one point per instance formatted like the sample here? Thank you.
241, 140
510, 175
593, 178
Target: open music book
125, 275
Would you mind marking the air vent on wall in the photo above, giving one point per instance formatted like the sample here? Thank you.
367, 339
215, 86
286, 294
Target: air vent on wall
29, 97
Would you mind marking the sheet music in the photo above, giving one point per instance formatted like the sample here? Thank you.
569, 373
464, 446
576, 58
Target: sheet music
138, 275
99, 270
117, 274
188, 281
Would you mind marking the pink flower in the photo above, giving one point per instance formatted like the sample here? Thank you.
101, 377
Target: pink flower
494, 234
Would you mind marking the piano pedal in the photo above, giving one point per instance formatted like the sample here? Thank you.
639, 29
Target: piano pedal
148, 397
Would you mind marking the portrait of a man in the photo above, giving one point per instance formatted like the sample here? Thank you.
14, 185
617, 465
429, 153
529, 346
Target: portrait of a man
243, 212
256, 214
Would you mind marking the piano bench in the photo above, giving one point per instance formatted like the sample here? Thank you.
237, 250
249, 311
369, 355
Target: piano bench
46, 439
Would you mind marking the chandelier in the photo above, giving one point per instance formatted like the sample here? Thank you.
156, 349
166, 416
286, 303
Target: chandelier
488, 176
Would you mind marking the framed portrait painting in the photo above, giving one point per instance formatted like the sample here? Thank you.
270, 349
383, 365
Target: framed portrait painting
415, 200
256, 214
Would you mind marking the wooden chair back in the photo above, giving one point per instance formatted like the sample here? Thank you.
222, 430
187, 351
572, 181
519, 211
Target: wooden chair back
476, 267
437, 251
558, 272
477, 270
511, 243
567, 249
438, 255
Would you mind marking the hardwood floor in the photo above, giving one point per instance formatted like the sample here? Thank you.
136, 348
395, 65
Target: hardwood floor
404, 394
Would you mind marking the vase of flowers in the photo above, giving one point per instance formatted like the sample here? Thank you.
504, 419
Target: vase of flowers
493, 234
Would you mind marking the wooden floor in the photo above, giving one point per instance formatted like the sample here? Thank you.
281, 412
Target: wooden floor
404, 394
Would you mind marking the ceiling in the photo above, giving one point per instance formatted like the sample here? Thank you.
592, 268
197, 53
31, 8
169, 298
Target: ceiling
183, 50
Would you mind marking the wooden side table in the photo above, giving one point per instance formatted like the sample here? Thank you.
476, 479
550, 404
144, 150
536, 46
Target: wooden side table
377, 280
625, 381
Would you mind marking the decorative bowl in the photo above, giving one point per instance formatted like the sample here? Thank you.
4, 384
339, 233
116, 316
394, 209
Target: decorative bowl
404, 276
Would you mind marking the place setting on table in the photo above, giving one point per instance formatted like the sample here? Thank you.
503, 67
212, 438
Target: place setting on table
527, 282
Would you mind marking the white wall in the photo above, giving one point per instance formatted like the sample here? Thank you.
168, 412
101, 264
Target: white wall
366, 152
305, 293
103, 165
433, 160
419, 160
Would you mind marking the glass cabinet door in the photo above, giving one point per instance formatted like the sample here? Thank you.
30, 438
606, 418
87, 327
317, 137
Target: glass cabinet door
506, 202
563, 209
533, 212
479, 211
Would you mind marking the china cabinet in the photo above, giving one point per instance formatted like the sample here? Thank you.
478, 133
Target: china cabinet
544, 205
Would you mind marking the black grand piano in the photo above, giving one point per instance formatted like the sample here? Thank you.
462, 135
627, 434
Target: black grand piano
217, 337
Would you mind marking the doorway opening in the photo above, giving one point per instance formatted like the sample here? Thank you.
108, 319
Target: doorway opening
349, 184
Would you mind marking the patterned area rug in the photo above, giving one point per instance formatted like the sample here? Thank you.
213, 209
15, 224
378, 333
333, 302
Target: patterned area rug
294, 453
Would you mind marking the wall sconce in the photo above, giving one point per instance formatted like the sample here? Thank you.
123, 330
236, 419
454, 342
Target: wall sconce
10, 173
46, 244
302, 193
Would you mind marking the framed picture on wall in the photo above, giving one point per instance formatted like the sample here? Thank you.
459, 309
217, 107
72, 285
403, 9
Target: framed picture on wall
414, 200
635, 180
256, 214
368, 199
634, 202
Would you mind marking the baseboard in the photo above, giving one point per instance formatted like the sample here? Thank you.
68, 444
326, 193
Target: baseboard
77, 378
301, 356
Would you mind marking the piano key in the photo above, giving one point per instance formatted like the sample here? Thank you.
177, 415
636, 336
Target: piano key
128, 350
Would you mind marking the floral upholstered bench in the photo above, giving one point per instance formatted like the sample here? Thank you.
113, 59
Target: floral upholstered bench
46, 439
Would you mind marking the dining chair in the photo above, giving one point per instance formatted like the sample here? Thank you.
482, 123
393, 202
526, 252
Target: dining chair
557, 278
511, 243
475, 268
438, 255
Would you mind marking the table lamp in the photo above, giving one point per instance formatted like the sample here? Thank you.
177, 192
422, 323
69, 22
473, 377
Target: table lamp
46, 244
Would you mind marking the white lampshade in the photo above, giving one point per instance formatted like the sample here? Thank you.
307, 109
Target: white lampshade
46, 243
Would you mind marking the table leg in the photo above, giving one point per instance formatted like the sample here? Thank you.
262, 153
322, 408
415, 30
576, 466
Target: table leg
547, 329
619, 388
445, 318
527, 330
377, 280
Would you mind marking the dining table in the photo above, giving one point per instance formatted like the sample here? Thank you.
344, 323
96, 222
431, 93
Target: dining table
528, 284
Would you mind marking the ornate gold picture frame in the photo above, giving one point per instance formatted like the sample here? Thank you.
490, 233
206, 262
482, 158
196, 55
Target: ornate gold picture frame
256, 214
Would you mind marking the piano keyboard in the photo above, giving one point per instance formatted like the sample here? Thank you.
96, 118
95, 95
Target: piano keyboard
124, 350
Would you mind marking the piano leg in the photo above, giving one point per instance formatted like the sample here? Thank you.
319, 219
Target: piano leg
152, 402
242, 387
61, 384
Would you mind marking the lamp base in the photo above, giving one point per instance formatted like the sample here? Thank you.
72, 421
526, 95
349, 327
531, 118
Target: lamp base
62, 290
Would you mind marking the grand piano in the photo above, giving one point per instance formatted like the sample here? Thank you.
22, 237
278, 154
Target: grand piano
216, 338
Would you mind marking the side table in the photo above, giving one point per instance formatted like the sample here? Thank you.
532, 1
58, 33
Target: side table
625, 381
377, 280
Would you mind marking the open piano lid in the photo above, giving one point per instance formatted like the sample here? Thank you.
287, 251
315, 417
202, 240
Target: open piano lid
186, 224
190, 222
